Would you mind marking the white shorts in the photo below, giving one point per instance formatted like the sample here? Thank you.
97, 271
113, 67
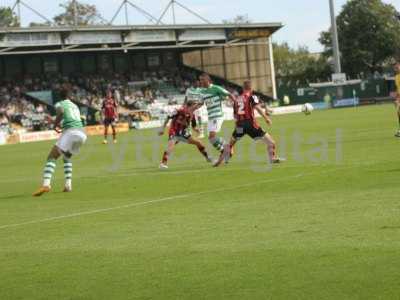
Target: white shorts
71, 141
215, 125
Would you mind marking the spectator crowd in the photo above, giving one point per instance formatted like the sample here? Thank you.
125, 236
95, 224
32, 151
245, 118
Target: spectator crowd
132, 91
16, 109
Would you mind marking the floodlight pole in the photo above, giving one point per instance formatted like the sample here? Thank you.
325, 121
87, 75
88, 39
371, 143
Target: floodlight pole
75, 7
335, 40
126, 13
17, 5
171, 4
163, 13
173, 11
125, 4
19, 12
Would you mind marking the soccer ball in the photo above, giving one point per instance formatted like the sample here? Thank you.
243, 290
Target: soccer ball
307, 109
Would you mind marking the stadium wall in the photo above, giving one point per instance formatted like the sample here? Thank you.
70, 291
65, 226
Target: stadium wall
237, 63
14, 67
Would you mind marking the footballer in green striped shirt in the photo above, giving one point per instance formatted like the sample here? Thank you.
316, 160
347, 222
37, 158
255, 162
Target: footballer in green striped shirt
213, 96
68, 122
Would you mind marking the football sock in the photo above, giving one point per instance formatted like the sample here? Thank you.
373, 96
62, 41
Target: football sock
48, 172
218, 143
68, 172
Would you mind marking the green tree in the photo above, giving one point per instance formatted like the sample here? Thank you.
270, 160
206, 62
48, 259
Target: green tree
8, 18
299, 65
369, 33
86, 14
239, 19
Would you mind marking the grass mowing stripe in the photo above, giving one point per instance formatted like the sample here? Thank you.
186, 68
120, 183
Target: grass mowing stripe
96, 211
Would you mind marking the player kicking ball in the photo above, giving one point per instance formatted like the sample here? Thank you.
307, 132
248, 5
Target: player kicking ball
179, 131
213, 96
246, 123
110, 115
68, 122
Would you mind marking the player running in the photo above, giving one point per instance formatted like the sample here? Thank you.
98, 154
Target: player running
246, 123
68, 121
110, 115
397, 101
213, 97
179, 131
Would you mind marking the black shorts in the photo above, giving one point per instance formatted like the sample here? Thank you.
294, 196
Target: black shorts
109, 121
247, 127
180, 136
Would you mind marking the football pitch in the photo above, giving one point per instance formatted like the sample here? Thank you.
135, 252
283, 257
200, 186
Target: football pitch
323, 225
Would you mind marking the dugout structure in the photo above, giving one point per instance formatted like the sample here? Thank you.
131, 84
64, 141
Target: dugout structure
230, 51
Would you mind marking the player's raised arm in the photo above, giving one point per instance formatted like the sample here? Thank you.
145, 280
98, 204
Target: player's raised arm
232, 98
226, 93
162, 129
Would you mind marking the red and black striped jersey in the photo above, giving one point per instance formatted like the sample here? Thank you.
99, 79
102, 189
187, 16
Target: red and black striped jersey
181, 119
243, 107
109, 108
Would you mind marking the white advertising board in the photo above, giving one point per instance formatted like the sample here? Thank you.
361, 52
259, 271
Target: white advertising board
93, 38
150, 36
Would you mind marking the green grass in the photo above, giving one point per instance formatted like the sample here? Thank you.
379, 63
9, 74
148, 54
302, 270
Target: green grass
325, 225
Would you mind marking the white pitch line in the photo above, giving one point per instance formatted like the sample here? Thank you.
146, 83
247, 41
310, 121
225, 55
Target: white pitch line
96, 211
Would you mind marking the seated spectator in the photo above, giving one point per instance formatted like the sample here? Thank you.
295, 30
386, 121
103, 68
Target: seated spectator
4, 123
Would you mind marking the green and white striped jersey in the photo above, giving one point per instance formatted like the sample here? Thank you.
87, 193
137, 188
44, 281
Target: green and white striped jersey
213, 96
71, 114
194, 94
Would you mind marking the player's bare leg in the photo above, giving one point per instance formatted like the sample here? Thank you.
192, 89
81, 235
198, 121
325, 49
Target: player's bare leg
200, 147
114, 133
271, 149
226, 154
232, 144
48, 172
105, 134
166, 154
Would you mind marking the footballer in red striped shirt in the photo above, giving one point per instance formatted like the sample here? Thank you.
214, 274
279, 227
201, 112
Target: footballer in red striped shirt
110, 115
179, 131
244, 108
